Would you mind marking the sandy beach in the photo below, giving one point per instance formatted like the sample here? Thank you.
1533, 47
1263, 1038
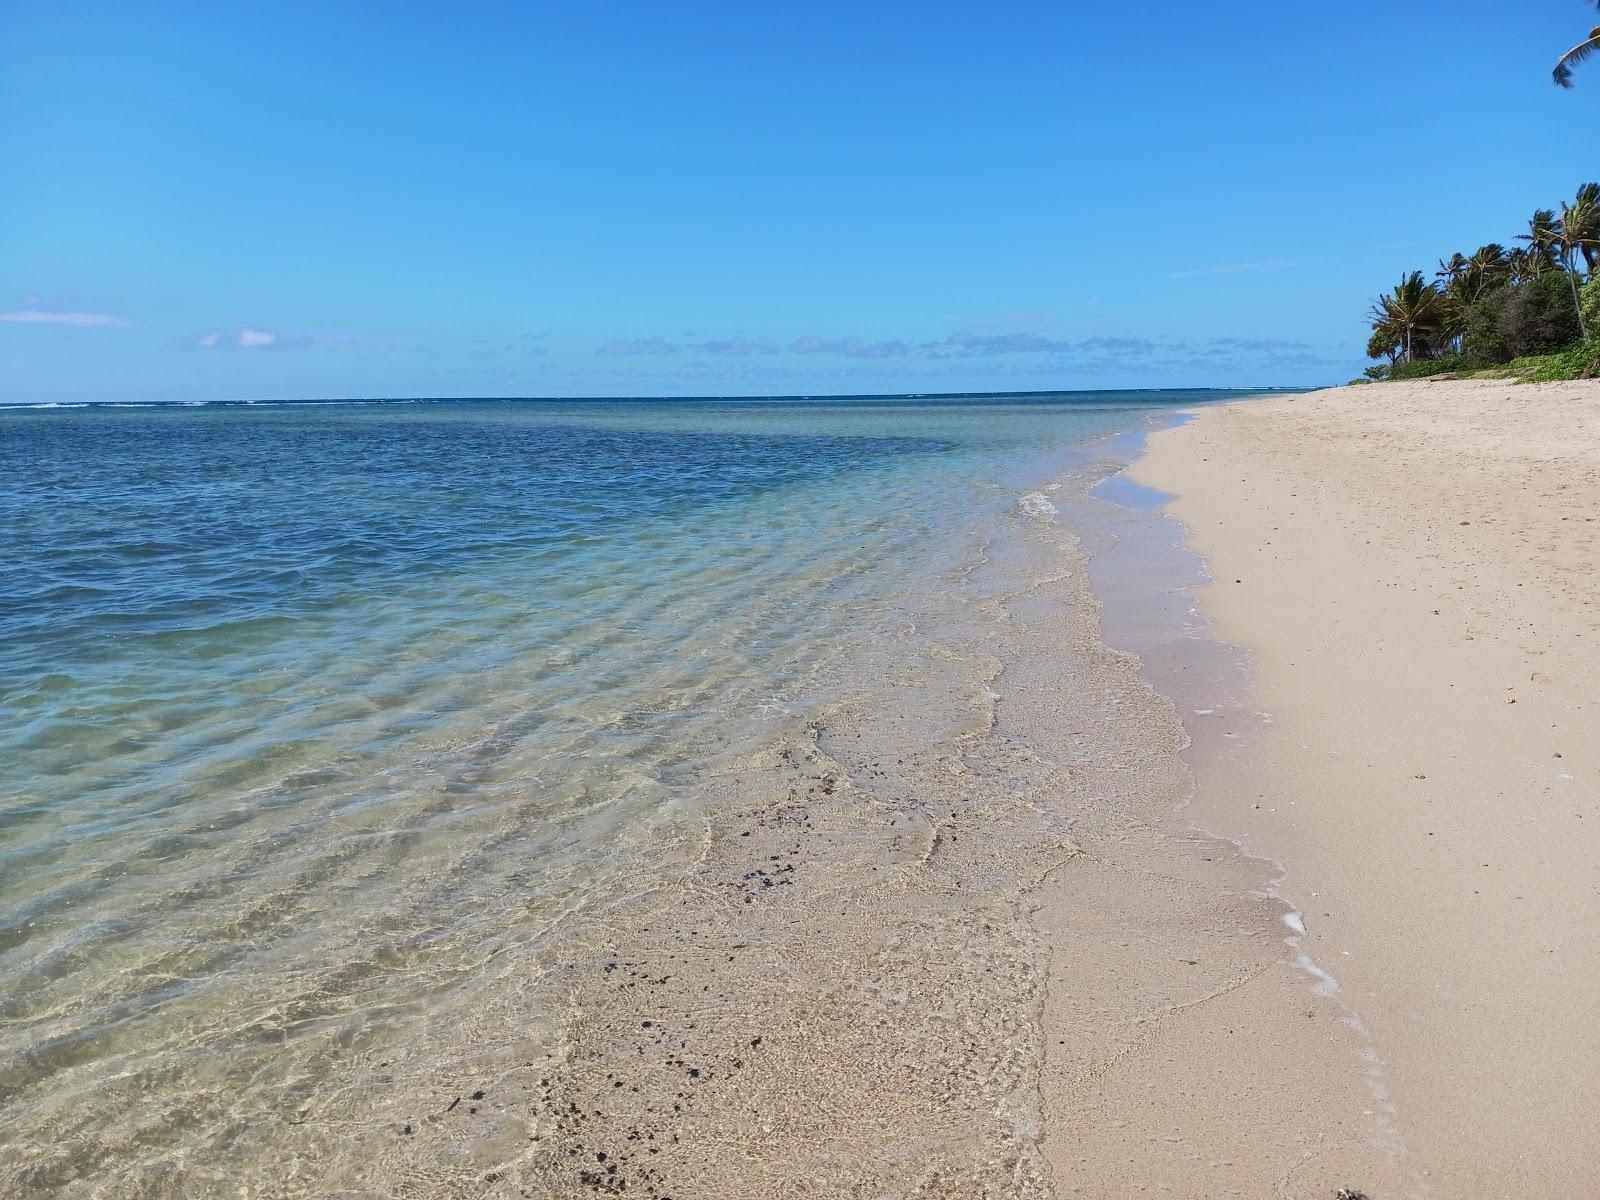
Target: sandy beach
1411, 569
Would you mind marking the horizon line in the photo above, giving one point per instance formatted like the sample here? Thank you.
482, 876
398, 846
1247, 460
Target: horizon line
636, 398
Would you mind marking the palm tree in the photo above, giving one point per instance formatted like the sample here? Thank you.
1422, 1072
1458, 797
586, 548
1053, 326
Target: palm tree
1448, 324
1489, 261
1522, 267
1577, 234
1486, 269
1411, 307
1563, 72
1589, 199
1540, 226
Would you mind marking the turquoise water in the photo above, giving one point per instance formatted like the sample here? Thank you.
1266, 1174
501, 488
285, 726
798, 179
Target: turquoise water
317, 720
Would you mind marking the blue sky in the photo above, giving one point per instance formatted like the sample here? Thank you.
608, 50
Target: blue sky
401, 199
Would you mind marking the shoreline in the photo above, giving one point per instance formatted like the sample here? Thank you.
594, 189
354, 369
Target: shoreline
1227, 1064
903, 983
1410, 568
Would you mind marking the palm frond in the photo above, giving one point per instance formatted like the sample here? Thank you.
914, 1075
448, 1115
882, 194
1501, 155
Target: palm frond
1563, 72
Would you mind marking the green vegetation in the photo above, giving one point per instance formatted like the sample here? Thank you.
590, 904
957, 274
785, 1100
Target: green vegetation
1578, 362
1531, 312
1424, 367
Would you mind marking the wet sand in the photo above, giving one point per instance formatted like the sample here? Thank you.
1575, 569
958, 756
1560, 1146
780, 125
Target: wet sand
1413, 571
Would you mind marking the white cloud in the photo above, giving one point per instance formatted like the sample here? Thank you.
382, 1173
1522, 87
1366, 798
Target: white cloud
250, 337
82, 320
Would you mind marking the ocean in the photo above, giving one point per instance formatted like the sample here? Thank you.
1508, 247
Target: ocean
364, 767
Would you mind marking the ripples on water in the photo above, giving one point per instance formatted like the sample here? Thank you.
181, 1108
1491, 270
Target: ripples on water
316, 721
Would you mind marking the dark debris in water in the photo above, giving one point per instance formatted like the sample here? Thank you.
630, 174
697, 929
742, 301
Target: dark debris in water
664, 1050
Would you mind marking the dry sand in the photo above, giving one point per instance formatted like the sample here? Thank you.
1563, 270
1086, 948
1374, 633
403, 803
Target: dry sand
1413, 571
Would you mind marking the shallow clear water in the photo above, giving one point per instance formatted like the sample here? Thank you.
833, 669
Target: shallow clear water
316, 720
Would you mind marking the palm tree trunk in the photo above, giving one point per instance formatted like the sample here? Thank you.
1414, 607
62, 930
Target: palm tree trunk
1577, 303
